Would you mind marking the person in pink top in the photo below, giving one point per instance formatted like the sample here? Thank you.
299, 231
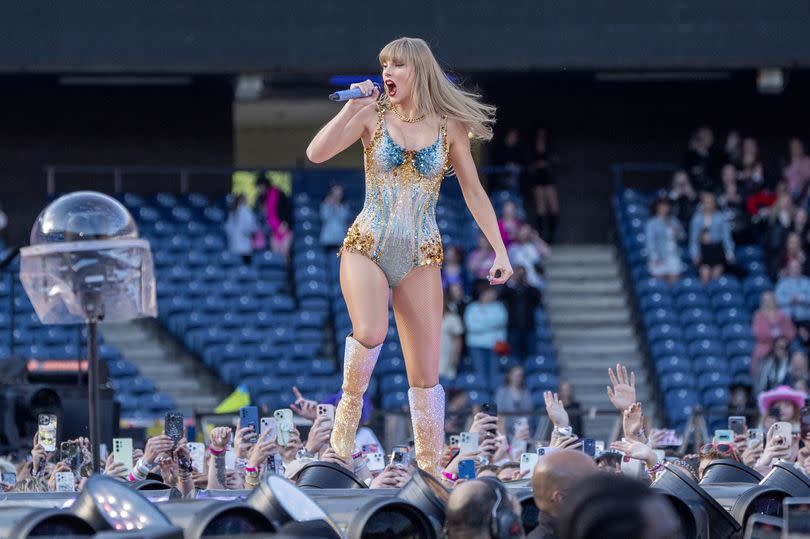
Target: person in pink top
481, 258
797, 171
770, 322
509, 223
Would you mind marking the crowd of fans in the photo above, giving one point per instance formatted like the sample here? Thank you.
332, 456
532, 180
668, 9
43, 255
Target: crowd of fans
727, 196
569, 473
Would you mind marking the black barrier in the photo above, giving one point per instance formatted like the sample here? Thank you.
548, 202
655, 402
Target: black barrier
729, 471
785, 476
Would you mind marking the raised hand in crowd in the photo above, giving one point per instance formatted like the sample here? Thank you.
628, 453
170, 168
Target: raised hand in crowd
633, 423
501, 449
242, 443
319, 434
115, 469
776, 447
751, 454
306, 408
217, 474
260, 452
289, 452
484, 423
330, 456
565, 442
623, 392
61, 466
39, 457
636, 450
157, 447
555, 410
392, 477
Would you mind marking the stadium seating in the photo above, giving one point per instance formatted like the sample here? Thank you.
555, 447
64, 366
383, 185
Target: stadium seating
699, 337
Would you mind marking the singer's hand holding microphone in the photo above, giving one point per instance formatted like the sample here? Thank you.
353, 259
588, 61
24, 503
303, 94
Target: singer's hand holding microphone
359, 94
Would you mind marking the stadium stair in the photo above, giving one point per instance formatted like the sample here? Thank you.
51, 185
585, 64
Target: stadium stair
175, 371
592, 328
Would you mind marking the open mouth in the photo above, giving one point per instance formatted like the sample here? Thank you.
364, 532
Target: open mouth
391, 88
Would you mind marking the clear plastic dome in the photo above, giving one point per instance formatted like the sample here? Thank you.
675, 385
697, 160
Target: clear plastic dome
85, 262
83, 216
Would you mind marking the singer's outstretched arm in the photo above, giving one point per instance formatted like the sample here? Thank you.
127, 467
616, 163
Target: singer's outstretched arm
355, 120
476, 198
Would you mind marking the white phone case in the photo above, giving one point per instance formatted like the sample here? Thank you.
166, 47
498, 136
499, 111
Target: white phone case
468, 443
284, 425
230, 460
268, 428
65, 482
376, 461
197, 452
528, 461
328, 410
122, 452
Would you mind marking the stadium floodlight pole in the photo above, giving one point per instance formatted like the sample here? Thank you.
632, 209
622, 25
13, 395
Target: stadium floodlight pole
93, 393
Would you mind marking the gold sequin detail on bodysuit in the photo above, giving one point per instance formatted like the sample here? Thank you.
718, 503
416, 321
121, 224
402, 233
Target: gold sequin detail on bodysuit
397, 226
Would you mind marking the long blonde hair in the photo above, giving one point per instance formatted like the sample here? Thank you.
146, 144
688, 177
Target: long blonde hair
434, 93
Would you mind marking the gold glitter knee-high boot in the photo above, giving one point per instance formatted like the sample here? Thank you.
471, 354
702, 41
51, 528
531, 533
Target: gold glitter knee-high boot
358, 364
427, 417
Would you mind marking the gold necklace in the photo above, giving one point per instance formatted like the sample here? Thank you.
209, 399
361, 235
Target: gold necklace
407, 119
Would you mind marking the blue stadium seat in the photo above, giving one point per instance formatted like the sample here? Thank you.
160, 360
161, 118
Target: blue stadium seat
654, 301
740, 347
677, 380
680, 403
740, 365
539, 363
727, 300
542, 381
706, 347
736, 331
395, 401
668, 348
399, 382
733, 314
671, 364
725, 283
661, 316
662, 332
691, 300
716, 397
696, 315
704, 364
715, 379
687, 285
701, 331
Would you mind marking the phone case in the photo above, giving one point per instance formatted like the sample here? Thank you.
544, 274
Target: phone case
269, 429
122, 452
197, 452
249, 417
528, 461
375, 461
173, 426
9, 478
69, 452
724, 436
328, 410
47, 431
284, 425
466, 469
65, 482
230, 459
454, 440
589, 447
468, 442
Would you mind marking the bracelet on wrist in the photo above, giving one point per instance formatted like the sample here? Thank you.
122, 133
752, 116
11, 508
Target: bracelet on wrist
214, 451
251, 469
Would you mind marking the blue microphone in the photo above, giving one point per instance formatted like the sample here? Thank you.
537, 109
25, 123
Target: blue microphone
353, 93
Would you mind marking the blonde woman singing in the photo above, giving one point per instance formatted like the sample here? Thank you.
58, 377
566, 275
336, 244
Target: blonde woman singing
413, 134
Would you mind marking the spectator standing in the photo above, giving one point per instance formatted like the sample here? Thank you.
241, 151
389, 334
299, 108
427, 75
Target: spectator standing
663, 232
509, 223
481, 259
683, 197
512, 156
529, 250
552, 480
281, 239
485, 320
780, 224
240, 227
452, 342
698, 160
770, 323
732, 152
751, 172
793, 296
513, 397
541, 200
798, 371
797, 171
456, 299
710, 243
521, 300
794, 250
773, 368
732, 204
334, 218
275, 205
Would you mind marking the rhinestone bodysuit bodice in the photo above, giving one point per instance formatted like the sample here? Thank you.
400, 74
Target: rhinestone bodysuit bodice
397, 226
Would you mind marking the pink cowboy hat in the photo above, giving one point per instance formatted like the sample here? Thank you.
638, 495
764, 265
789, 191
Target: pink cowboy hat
781, 393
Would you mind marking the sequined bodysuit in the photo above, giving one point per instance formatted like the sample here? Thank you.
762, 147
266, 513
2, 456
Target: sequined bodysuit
397, 226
